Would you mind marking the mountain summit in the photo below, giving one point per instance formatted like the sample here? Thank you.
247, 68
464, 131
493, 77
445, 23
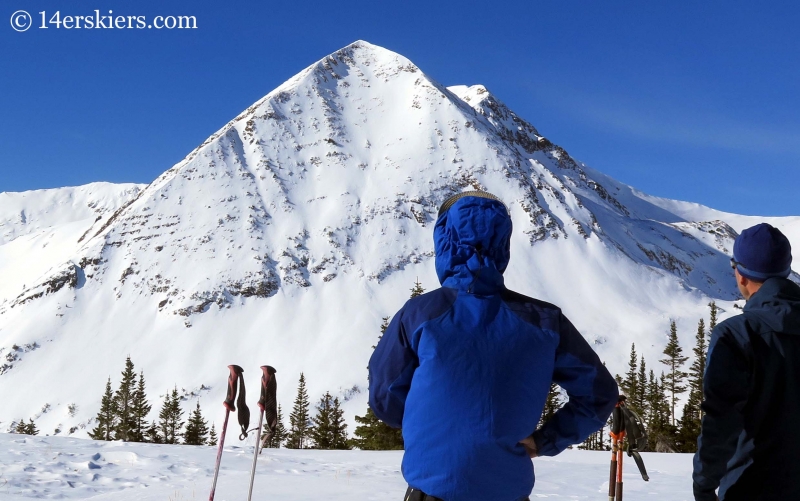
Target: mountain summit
287, 235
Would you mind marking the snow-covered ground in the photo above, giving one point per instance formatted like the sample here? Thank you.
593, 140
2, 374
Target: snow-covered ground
71, 468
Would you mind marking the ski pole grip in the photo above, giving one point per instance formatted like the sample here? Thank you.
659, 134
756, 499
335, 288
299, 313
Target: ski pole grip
267, 372
233, 377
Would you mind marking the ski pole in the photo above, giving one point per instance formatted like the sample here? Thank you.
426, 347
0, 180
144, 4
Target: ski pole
612, 477
267, 384
229, 404
617, 433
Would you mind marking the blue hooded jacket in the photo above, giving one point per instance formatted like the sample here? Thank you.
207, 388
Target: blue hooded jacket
465, 369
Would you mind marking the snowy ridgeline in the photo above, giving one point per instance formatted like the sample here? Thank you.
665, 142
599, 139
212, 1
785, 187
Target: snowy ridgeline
69, 468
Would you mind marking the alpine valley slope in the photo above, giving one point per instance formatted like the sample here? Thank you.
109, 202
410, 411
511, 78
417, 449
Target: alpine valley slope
286, 237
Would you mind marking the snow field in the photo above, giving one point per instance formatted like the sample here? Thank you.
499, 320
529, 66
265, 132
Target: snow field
70, 468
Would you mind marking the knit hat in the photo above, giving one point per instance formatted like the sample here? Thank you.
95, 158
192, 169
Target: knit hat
455, 198
762, 252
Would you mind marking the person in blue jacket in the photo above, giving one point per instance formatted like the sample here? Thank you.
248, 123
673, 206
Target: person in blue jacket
749, 445
465, 369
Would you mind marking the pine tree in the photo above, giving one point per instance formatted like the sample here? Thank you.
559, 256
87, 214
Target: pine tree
630, 385
640, 402
152, 435
124, 429
689, 426
30, 428
170, 417
338, 427
299, 419
375, 435
551, 404
322, 431
21, 428
713, 320
107, 417
279, 436
212, 436
674, 360
196, 432
417, 290
139, 411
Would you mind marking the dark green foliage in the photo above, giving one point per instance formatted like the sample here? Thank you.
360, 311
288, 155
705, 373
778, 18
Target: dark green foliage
552, 404
300, 421
661, 433
152, 435
373, 434
329, 430
630, 385
639, 402
713, 320
196, 432
674, 360
107, 417
417, 290
24, 428
126, 424
139, 411
689, 426
279, 437
212, 436
169, 416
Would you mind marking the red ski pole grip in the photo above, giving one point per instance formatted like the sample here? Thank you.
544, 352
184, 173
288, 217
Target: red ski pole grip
230, 398
267, 373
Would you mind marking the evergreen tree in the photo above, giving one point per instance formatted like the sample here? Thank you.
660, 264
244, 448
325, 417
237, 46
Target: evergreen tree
300, 421
139, 411
375, 435
107, 417
338, 427
279, 437
21, 428
212, 436
170, 417
551, 404
417, 290
30, 428
674, 360
322, 429
640, 401
196, 432
713, 320
630, 385
126, 425
152, 435
689, 427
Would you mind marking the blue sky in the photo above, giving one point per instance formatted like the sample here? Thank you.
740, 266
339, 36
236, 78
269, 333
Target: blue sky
696, 101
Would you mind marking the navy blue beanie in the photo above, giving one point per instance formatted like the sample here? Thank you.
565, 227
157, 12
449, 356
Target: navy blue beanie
762, 252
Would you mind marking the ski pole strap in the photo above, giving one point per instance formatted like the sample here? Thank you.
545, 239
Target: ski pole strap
639, 462
244, 413
268, 403
233, 377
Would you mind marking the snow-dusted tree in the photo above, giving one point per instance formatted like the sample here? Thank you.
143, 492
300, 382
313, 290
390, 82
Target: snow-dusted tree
329, 430
300, 421
152, 435
107, 417
196, 432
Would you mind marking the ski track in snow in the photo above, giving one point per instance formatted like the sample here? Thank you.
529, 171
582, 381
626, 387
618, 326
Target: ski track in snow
69, 468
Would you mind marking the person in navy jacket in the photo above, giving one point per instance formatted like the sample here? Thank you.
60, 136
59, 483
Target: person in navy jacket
749, 444
465, 369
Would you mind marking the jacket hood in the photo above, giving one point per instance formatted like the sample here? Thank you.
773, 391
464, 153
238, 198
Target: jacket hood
472, 239
777, 305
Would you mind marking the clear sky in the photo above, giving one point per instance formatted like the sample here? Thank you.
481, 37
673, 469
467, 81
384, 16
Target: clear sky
695, 100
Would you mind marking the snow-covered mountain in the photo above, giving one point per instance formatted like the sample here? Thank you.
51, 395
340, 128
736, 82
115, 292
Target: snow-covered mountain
287, 235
